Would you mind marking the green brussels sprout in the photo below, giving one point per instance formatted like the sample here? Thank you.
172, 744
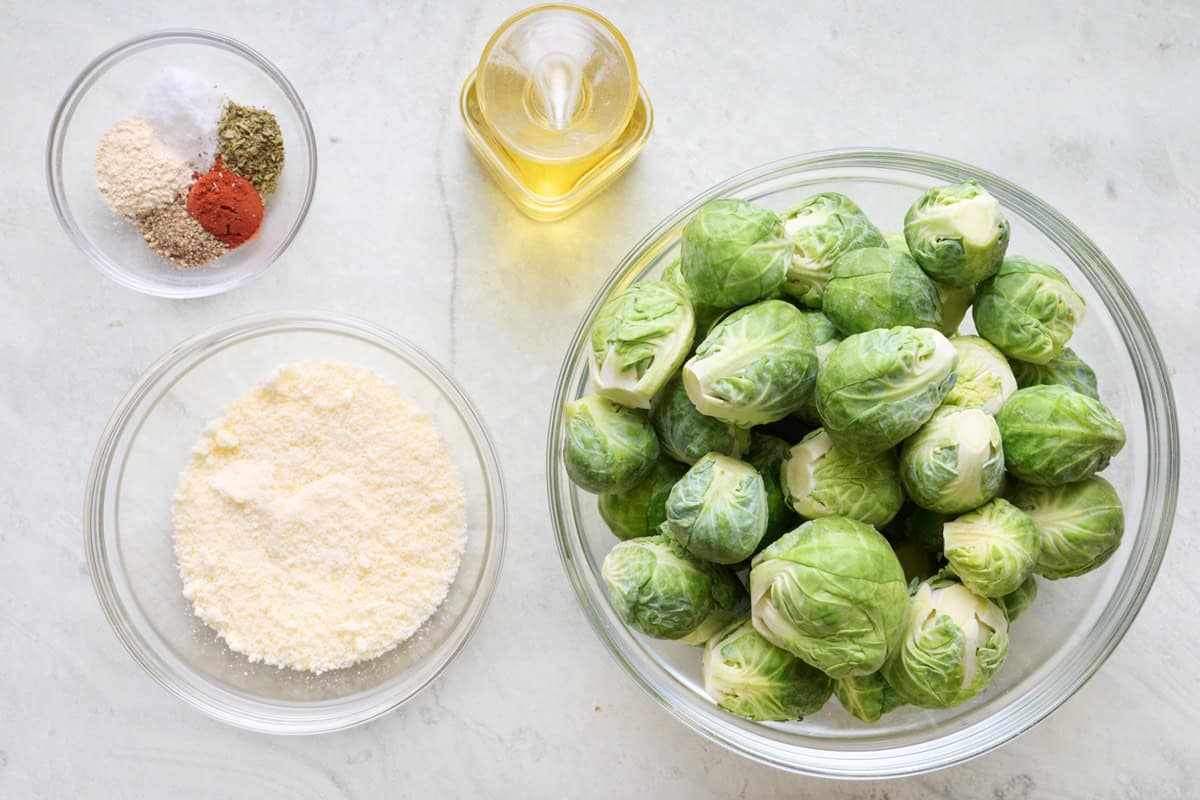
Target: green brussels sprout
639, 511
734, 253
756, 366
824, 338
953, 644
1028, 310
686, 434
1080, 524
957, 233
1015, 603
832, 593
752, 678
955, 301
822, 480
609, 447
895, 241
955, 462
879, 387
867, 697
922, 527
822, 228
1065, 369
1053, 435
658, 588
639, 339
767, 454
718, 510
992, 549
706, 315
874, 287
985, 379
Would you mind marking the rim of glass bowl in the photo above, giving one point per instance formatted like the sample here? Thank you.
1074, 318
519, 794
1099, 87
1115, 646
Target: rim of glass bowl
111, 584
1148, 543
66, 110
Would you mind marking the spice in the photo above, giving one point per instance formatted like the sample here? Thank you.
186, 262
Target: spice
136, 171
178, 237
184, 109
251, 145
226, 205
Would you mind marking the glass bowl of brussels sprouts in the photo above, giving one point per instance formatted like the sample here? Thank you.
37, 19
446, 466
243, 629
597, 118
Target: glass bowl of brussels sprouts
820, 440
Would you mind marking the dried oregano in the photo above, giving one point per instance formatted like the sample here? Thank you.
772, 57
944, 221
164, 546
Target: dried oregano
251, 145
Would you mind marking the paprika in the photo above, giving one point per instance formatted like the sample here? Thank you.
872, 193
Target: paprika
226, 205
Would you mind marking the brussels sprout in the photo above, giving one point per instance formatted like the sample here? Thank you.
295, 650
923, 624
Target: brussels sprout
706, 315
877, 388
1015, 603
686, 434
639, 339
822, 480
954, 462
832, 593
750, 677
984, 378
1080, 524
957, 233
953, 644
921, 526
609, 448
822, 228
734, 253
874, 287
824, 338
895, 241
867, 697
756, 366
992, 549
1053, 435
659, 589
718, 510
730, 602
1028, 310
767, 454
639, 511
955, 301
1065, 369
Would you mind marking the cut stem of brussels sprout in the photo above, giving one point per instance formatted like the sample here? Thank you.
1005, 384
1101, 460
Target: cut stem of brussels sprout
608, 448
821, 480
718, 510
639, 339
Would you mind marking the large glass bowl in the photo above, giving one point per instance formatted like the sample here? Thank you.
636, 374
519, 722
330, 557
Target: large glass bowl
128, 528
110, 89
1074, 625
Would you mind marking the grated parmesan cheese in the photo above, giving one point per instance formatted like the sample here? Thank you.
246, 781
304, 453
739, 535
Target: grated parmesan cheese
321, 520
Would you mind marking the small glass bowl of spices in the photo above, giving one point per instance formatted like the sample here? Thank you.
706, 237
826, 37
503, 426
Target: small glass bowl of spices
181, 163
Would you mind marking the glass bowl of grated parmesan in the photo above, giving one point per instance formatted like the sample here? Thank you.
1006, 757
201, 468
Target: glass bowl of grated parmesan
121, 83
134, 526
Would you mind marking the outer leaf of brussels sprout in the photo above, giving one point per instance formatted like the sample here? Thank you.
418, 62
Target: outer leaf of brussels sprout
609, 448
957, 233
992, 549
867, 697
657, 587
985, 379
1028, 310
686, 434
832, 593
1015, 603
878, 388
734, 253
1053, 435
756, 366
1065, 369
874, 287
1080, 524
822, 228
752, 678
822, 480
767, 454
953, 644
718, 510
730, 602
639, 339
824, 338
639, 511
896, 241
955, 462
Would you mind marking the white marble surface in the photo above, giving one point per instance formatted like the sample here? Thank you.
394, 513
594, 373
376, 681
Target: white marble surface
1090, 105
